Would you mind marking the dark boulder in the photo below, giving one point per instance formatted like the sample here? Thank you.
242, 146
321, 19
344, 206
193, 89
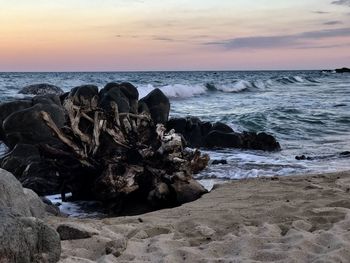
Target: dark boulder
260, 141
223, 140
219, 126
178, 124
41, 89
194, 132
342, 70
85, 95
18, 159
192, 128
216, 162
158, 105
8, 108
188, 191
46, 99
26, 126
41, 177
220, 135
124, 94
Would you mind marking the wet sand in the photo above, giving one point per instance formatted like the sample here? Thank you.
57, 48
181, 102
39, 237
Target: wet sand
280, 219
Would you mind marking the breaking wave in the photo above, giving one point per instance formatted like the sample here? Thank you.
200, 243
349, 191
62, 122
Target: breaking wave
237, 86
174, 91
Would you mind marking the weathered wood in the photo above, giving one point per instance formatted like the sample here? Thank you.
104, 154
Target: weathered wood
50, 123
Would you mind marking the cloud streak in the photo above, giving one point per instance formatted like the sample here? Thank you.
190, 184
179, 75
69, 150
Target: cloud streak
341, 2
332, 23
320, 12
301, 40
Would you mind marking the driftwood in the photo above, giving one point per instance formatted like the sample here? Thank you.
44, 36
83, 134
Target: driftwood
121, 156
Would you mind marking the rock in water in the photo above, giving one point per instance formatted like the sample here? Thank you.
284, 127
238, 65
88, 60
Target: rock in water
41, 89
220, 135
342, 70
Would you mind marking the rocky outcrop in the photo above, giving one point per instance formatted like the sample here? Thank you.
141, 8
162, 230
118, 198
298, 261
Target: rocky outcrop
102, 146
25, 238
41, 89
342, 70
220, 135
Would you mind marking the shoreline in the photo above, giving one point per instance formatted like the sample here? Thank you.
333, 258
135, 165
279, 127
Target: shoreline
298, 218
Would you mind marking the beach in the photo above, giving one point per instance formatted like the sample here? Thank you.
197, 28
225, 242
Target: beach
303, 218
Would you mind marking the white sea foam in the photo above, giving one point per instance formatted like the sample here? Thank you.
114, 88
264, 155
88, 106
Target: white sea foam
298, 79
241, 85
174, 91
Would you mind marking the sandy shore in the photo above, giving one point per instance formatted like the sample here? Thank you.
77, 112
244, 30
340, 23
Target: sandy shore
290, 219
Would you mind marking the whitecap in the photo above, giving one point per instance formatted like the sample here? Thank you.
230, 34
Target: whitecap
174, 91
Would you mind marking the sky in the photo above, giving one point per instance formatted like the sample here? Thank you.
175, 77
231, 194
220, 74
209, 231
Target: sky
147, 35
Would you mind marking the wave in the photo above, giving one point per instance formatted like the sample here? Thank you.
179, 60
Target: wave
241, 85
238, 86
174, 91
290, 80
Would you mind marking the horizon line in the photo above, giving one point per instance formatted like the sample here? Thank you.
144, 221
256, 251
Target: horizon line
191, 70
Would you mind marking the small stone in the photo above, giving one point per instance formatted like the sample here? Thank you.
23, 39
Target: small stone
72, 231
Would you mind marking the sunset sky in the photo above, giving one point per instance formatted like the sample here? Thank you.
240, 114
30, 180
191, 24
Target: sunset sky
113, 35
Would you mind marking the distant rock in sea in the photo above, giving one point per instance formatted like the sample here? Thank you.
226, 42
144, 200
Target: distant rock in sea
41, 89
338, 70
342, 70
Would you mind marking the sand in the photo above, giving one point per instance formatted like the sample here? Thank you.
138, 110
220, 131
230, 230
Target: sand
278, 219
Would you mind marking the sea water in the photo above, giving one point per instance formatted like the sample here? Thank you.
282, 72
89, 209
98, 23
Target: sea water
307, 111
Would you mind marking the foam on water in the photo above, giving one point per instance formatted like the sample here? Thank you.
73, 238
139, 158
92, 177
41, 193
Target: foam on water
174, 91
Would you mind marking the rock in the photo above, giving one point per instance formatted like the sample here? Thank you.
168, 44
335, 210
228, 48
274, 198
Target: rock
216, 162
188, 191
346, 153
27, 126
42, 178
260, 141
19, 158
36, 206
220, 135
342, 70
27, 240
124, 94
47, 99
41, 89
194, 132
71, 231
223, 140
85, 95
219, 126
50, 208
17, 200
160, 196
178, 124
158, 105
6, 109
23, 237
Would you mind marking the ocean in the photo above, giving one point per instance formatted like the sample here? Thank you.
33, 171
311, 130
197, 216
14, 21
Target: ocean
307, 111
